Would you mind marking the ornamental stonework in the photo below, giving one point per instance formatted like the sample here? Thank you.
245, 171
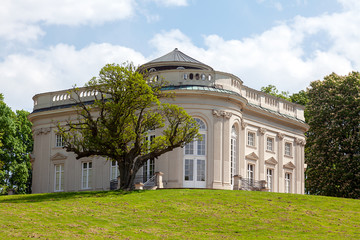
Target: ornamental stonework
221, 113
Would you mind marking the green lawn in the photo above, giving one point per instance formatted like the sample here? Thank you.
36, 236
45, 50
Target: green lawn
178, 214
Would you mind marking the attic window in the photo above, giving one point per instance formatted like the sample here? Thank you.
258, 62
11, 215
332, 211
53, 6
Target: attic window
185, 76
197, 76
152, 70
203, 77
191, 76
209, 77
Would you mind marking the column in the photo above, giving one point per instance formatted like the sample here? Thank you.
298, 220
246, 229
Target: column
226, 150
217, 148
242, 144
280, 169
299, 163
261, 153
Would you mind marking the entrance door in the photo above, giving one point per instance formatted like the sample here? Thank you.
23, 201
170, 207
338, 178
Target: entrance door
195, 160
194, 173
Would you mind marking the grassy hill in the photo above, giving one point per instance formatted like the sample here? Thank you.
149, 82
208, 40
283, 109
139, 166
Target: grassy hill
178, 214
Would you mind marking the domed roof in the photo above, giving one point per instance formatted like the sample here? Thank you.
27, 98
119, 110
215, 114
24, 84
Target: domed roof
175, 59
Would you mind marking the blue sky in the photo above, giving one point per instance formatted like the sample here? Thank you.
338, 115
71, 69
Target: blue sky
53, 45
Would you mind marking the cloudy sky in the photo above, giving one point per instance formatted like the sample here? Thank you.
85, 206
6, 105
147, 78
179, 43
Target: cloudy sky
53, 45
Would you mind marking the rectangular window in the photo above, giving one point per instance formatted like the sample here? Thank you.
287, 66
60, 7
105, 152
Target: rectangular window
201, 146
114, 170
59, 177
250, 173
59, 141
288, 148
270, 144
251, 139
269, 179
288, 182
200, 170
86, 175
189, 148
189, 169
148, 168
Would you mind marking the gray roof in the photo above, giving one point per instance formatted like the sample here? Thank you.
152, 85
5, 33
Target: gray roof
176, 56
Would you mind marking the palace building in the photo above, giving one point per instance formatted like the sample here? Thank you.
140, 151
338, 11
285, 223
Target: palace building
251, 140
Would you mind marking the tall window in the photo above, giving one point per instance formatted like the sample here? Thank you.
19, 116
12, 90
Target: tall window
250, 173
269, 179
59, 141
288, 182
114, 170
59, 177
233, 154
251, 139
288, 148
86, 175
149, 166
195, 159
270, 144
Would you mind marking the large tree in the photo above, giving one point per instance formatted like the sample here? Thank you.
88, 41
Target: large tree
116, 124
333, 143
15, 145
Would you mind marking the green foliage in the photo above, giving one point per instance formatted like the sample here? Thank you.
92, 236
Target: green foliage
333, 143
272, 90
178, 214
15, 145
125, 110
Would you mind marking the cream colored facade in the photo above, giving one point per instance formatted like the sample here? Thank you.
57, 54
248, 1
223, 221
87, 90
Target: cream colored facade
246, 133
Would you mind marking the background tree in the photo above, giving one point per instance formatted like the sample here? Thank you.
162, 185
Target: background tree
115, 126
16, 144
333, 143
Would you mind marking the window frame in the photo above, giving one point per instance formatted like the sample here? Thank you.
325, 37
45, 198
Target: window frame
272, 144
288, 180
290, 152
59, 141
271, 177
253, 139
61, 178
250, 173
195, 157
112, 167
89, 171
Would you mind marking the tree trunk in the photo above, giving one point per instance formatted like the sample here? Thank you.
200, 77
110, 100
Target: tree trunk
127, 175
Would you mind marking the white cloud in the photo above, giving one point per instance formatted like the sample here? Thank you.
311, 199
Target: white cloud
57, 68
280, 55
168, 3
20, 20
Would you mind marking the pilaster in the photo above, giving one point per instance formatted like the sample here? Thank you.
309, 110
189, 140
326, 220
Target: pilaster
280, 170
242, 143
261, 153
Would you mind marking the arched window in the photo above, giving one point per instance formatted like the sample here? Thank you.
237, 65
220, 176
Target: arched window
195, 159
233, 154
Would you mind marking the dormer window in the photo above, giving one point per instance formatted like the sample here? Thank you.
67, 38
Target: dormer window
152, 70
180, 68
